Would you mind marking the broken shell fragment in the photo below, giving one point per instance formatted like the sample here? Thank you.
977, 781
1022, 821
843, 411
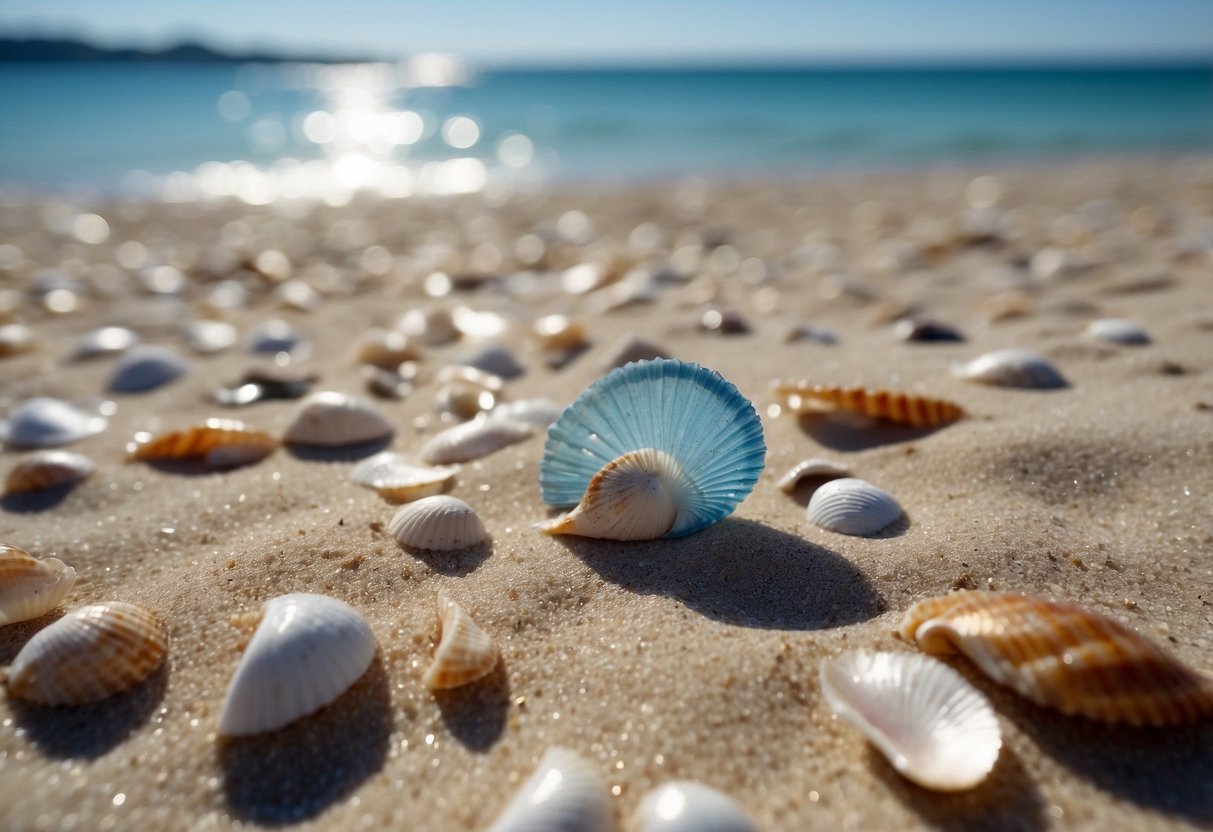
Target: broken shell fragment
219, 443
852, 506
399, 481
48, 469
815, 468
329, 419
682, 806
1118, 331
902, 408
45, 423
146, 367
1012, 368
440, 524
30, 588
465, 652
90, 654
473, 440
565, 794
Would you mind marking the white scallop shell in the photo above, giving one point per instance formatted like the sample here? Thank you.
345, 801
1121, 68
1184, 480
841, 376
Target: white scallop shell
815, 467
440, 523
1118, 331
45, 423
682, 806
852, 506
465, 652
399, 481
933, 726
146, 367
538, 413
1012, 368
29, 587
208, 337
565, 794
107, 340
472, 440
329, 419
47, 469
306, 652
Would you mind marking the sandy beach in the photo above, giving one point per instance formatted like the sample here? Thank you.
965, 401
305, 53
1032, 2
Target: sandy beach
691, 659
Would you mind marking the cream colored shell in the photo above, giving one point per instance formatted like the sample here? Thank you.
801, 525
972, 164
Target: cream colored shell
330, 419
811, 468
473, 440
399, 481
682, 806
30, 588
465, 652
440, 523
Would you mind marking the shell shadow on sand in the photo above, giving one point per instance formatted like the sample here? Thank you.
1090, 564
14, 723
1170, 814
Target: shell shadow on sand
276, 778
850, 432
32, 502
343, 453
476, 714
459, 563
741, 572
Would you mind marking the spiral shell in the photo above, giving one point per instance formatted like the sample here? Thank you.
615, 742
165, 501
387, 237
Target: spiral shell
852, 506
1012, 368
440, 523
90, 654
47, 469
682, 806
565, 794
464, 654
328, 419
219, 443
902, 408
399, 481
1061, 656
29, 587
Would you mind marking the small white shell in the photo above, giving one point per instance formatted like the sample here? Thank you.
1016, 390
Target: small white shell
107, 340
275, 336
852, 506
496, 360
933, 726
538, 413
45, 423
464, 654
440, 523
329, 419
565, 794
30, 587
146, 367
208, 337
399, 481
307, 651
1012, 368
682, 806
47, 469
472, 440
815, 467
1118, 331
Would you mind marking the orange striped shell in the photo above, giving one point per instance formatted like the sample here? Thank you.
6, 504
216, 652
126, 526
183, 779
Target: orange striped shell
903, 408
220, 443
1062, 656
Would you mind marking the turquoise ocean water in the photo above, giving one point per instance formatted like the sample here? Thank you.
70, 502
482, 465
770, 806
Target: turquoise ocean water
71, 125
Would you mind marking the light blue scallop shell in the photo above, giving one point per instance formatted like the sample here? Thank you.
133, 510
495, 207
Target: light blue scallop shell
690, 412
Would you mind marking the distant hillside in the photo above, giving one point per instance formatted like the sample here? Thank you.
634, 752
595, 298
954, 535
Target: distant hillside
59, 50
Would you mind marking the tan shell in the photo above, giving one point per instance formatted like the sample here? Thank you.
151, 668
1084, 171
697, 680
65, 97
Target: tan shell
386, 350
399, 481
464, 654
439, 523
47, 469
30, 588
902, 408
91, 653
220, 443
1062, 656
472, 440
463, 400
815, 467
558, 332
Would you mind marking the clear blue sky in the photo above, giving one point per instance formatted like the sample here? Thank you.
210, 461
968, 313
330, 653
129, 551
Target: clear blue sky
646, 30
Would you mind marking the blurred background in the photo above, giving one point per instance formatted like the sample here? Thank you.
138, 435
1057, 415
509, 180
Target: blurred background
268, 100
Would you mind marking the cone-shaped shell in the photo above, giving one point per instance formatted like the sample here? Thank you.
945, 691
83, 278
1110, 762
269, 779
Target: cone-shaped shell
902, 408
329, 419
306, 652
90, 654
933, 727
1118, 331
564, 794
440, 523
815, 467
220, 443
635, 497
29, 587
682, 806
47, 469
852, 506
45, 423
146, 367
474, 439
465, 652
399, 481
688, 413
1012, 368
1062, 656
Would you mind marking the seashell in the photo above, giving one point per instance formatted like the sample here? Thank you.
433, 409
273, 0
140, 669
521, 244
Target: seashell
1012, 368
682, 806
330, 420
16, 339
902, 408
1061, 656
632, 348
306, 652
657, 448
399, 481
496, 360
457, 373
558, 333
209, 337
45, 423
90, 654
389, 384
431, 326
473, 440
934, 727
275, 336
386, 350
146, 367
30, 588
219, 443
478, 324
464, 654
438, 524
852, 506
809, 332
264, 384
47, 469
107, 340
464, 401
811, 468
926, 330
1118, 331
565, 794
723, 322
538, 413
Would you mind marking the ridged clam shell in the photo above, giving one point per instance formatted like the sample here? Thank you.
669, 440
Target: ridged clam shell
45, 423
688, 413
440, 523
90, 654
107, 340
565, 794
329, 419
902, 408
465, 652
632, 348
815, 467
931, 725
1062, 656
47, 469
209, 337
220, 443
1012, 368
306, 652
399, 481
852, 506
538, 413
1118, 331
29, 587
146, 367
681, 806
473, 440
635, 497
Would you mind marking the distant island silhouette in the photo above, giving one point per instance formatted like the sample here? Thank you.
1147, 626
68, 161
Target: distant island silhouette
68, 50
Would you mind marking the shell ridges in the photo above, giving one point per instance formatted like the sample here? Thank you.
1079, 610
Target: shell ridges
465, 652
440, 523
852, 506
565, 794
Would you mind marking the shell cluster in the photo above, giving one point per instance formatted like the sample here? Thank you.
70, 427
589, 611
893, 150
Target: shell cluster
901, 408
